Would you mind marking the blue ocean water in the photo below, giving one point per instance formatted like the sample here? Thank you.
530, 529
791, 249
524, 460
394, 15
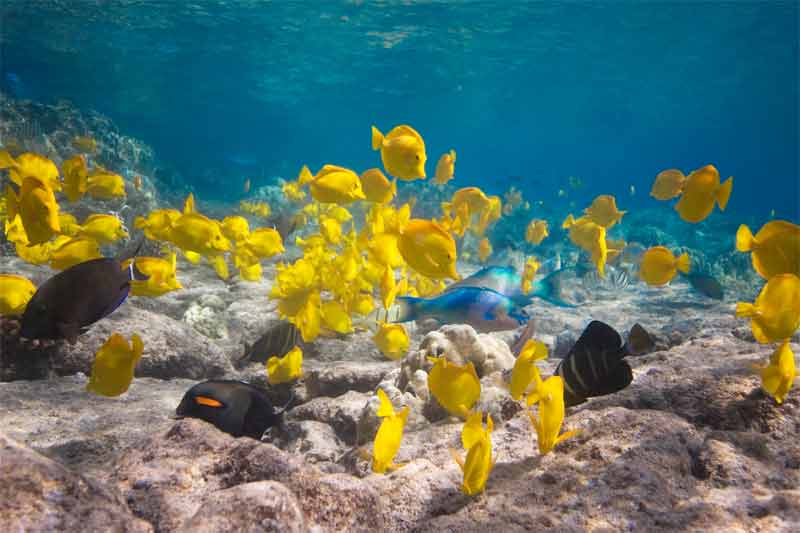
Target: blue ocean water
527, 93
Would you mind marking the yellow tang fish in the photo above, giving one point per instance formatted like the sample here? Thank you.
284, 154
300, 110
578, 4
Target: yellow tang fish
235, 228
591, 237
73, 251
104, 229
775, 248
389, 435
550, 397
529, 272
777, 377
330, 229
336, 318
659, 266
484, 249
287, 368
392, 340
402, 152
15, 292
157, 224
429, 249
84, 143
445, 168
525, 372
113, 366
377, 187
479, 462
668, 184
336, 185
455, 387
291, 190
196, 233
161, 276
383, 249
37, 209
603, 211
265, 242
536, 231
776, 312
219, 265
75, 178
69, 224
30, 164
105, 185
701, 191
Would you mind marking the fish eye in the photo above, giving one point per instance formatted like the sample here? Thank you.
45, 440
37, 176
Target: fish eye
417, 156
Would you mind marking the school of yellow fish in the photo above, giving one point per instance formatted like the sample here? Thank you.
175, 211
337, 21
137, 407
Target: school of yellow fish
345, 267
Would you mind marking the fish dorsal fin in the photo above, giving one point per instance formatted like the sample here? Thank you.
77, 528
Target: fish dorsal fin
599, 336
639, 341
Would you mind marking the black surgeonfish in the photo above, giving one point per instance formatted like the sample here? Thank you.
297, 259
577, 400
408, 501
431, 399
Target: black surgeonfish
706, 285
277, 341
235, 407
595, 366
65, 305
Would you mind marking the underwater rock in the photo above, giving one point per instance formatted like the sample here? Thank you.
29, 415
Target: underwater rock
172, 349
342, 413
259, 506
167, 477
338, 378
316, 441
39, 494
205, 320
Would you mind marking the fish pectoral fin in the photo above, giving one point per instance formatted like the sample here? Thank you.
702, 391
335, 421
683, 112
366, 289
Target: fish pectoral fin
457, 458
566, 435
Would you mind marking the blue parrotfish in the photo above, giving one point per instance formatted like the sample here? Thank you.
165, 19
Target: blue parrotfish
484, 309
507, 281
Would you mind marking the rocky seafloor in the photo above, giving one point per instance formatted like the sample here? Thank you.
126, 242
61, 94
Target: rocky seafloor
692, 444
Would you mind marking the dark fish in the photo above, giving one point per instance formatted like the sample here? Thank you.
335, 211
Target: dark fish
595, 366
68, 303
235, 407
285, 224
277, 341
706, 285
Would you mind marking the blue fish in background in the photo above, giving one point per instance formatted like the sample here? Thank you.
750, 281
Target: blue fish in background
483, 309
506, 281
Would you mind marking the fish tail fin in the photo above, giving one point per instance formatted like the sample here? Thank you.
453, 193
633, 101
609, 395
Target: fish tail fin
723, 194
549, 289
639, 341
745, 310
453, 155
568, 222
744, 239
6, 160
377, 138
305, 176
684, 263
287, 405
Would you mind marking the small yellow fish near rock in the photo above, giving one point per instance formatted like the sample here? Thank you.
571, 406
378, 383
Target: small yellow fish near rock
775, 248
776, 312
479, 462
701, 191
591, 237
104, 229
429, 249
113, 366
668, 184
15, 292
445, 168
603, 211
389, 435
392, 340
529, 272
377, 186
550, 397
105, 185
402, 152
455, 387
235, 228
525, 372
161, 274
484, 249
536, 232
197, 233
157, 224
778, 377
37, 208
336, 185
75, 178
68, 252
659, 266
287, 368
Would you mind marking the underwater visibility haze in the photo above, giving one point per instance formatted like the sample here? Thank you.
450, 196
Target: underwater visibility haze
538, 261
